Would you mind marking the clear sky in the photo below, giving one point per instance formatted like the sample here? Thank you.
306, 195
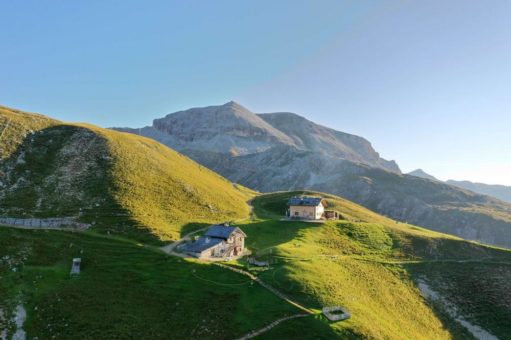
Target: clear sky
427, 82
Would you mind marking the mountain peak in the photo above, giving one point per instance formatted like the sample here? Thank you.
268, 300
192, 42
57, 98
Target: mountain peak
422, 174
220, 128
232, 103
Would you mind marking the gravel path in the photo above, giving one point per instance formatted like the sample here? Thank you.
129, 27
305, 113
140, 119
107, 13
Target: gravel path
451, 309
270, 326
267, 286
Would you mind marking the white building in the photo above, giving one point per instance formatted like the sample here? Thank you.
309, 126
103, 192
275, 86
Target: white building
306, 208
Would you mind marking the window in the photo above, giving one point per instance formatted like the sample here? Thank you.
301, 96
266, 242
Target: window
297, 213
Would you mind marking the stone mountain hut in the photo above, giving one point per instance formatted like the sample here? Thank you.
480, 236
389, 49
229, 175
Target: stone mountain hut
220, 241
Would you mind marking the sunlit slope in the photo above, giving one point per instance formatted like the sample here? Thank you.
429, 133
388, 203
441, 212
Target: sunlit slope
117, 182
372, 265
15, 125
166, 190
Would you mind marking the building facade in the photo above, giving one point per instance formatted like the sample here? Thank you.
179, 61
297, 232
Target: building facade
306, 208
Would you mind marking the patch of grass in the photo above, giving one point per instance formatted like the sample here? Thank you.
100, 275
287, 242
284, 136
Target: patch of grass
363, 263
126, 290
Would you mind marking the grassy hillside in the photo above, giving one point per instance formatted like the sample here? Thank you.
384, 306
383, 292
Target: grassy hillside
137, 193
118, 182
124, 291
372, 265
366, 262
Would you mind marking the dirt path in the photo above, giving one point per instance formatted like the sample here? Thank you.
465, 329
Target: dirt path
253, 334
452, 310
5, 128
267, 286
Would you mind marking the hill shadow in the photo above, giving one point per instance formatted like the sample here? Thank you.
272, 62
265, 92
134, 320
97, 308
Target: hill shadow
67, 171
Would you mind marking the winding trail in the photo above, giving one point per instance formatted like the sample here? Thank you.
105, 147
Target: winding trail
267, 286
253, 334
5, 128
170, 250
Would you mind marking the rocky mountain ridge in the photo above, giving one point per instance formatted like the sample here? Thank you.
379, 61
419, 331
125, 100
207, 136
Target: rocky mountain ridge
233, 129
500, 192
305, 155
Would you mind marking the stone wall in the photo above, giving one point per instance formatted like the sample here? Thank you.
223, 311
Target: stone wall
45, 223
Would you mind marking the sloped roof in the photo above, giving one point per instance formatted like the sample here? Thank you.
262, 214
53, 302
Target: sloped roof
222, 231
305, 201
203, 243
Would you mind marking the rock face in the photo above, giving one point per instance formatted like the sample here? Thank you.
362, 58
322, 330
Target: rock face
234, 130
313, 137
229, 127
283, 151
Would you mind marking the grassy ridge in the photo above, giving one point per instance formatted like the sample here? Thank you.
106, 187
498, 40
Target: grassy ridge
371, 265
119, 182
167, 191
15, 125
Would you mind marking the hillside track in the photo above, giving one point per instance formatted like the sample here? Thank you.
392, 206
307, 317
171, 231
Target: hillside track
253, 334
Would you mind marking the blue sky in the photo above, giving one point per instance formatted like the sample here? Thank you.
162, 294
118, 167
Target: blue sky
427, 82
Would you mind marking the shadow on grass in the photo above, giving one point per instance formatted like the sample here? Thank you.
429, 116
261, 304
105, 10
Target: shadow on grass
191, 227
125, 291
63, 171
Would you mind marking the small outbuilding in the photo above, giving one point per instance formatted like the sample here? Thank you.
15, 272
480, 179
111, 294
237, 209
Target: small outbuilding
332, 215
75, 267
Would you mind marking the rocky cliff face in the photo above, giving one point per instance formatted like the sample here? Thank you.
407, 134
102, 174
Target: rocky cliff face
234, 130
283, 151
313, 137
226, 128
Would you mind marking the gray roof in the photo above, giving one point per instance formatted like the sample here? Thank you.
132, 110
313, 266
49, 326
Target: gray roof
203, 243
222, 231
307, 201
